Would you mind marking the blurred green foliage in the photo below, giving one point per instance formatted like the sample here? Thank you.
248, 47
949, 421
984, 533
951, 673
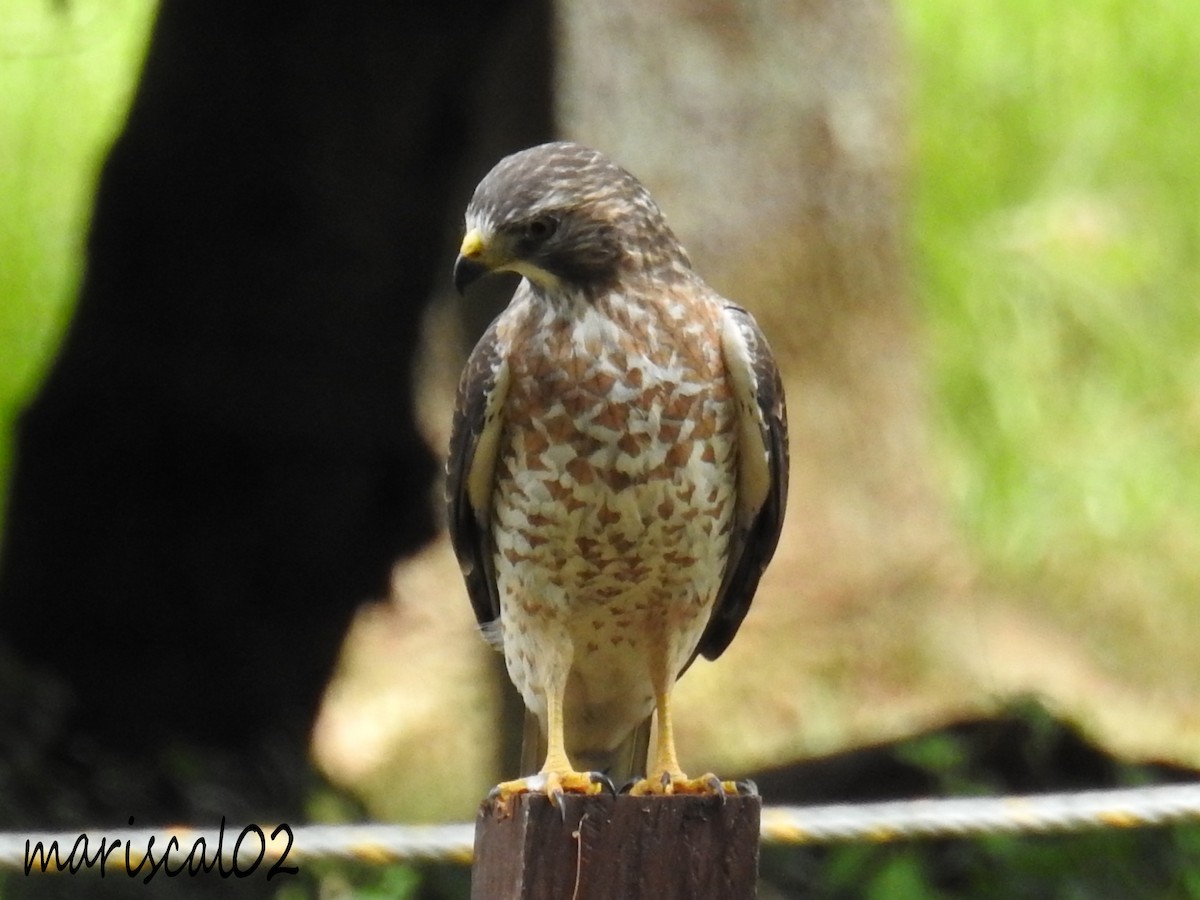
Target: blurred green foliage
66, 73
1154, 864
1102, 864
1056, 236
330, 880
1025, 748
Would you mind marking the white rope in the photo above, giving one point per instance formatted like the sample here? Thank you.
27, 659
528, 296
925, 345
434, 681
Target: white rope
386, 844
978, 816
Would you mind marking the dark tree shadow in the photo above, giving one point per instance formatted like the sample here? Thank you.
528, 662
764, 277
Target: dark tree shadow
223, 461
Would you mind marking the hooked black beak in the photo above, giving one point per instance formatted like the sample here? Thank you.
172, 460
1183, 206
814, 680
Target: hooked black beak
467, 271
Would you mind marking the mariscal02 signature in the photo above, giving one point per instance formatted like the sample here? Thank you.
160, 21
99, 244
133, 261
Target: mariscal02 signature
174, 860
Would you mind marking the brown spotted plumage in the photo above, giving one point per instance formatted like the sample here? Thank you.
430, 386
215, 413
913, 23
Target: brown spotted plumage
618, 462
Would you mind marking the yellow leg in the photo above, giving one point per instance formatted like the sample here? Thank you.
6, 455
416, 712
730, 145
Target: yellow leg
666, 763
557, 776
556, 748
665, 776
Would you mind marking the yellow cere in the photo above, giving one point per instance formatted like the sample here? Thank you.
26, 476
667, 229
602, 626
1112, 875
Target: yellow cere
472, 244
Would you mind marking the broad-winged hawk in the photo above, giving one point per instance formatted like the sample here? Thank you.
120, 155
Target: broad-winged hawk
618, 464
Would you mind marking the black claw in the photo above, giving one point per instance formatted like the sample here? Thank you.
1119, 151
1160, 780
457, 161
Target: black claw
717, 788
665, 781
604, 781
628, 786
746, 787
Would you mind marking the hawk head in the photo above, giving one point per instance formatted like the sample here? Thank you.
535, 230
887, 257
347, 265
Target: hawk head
566, 218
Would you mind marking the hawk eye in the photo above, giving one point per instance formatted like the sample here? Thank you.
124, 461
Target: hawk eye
540, 228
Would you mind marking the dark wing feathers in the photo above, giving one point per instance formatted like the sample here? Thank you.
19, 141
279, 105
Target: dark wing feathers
756, 532
469, 470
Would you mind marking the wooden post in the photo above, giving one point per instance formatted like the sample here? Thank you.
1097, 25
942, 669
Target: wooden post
617, 848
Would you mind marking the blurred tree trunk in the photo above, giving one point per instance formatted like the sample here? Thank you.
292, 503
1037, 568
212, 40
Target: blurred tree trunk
773, 136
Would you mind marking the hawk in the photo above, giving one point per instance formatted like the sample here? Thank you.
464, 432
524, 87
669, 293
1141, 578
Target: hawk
618, 465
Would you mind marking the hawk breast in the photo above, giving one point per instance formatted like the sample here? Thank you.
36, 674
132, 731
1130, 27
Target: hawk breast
616, 465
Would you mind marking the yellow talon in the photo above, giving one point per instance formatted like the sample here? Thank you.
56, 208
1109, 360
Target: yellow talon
554, 784
678, 783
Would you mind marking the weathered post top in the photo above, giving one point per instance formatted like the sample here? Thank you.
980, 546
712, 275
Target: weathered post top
683, 847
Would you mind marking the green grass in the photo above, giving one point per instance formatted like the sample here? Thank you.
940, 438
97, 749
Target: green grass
1056, 232
65, 78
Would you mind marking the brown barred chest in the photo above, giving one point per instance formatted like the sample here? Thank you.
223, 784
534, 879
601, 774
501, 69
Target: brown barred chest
616, 464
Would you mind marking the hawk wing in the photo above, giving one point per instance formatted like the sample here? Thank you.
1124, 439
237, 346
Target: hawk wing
471, 468
762, 476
